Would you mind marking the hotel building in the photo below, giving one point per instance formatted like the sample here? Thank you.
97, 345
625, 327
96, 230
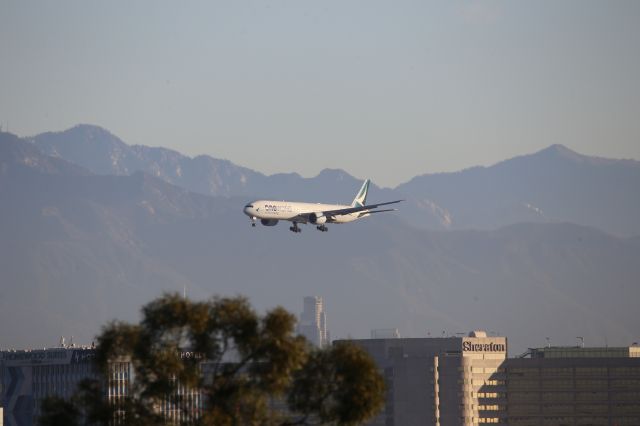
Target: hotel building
441, 381
430, 381
29, 376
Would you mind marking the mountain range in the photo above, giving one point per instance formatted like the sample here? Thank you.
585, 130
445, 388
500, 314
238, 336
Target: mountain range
93, 228
551, 186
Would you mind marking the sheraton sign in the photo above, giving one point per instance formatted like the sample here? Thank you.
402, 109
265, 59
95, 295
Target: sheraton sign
468, 346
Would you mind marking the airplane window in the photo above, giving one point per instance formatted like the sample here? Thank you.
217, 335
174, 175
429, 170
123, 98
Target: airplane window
249, 205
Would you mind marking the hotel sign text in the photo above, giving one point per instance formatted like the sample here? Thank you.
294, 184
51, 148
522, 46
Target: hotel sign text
468, 346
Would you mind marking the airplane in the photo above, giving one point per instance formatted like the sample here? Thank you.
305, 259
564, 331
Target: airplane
270, 212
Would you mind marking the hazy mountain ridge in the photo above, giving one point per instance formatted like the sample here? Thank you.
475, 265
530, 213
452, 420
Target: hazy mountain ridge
79, 250
103, 153
552, 185
15, 153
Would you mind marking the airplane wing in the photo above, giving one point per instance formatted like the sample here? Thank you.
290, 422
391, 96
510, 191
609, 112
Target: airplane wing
377, 211
357, 209
304, 217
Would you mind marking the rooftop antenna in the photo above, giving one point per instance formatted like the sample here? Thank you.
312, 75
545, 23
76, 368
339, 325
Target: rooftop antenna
548, 339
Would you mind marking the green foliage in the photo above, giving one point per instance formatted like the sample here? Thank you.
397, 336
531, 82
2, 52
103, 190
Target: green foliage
58, 412
249, 370
340, 384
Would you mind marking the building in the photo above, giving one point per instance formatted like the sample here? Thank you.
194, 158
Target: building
313, 322
385, 333
469, 381
430, 381
29, 376
574, 386
441, 381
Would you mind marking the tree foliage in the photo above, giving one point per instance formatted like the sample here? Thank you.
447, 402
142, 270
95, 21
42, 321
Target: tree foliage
248, 369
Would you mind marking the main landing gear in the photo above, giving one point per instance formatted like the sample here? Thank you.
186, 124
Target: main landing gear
295, 228
322, 228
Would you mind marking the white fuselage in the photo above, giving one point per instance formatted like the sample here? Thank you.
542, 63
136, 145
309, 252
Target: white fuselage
291, 211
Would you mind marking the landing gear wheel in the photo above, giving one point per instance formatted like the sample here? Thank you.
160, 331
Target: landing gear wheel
295, 228
322, 228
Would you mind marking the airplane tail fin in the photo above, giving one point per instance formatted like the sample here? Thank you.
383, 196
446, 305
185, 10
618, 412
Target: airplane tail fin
361, 198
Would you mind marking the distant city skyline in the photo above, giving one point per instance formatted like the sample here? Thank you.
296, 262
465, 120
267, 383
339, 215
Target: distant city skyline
382, 90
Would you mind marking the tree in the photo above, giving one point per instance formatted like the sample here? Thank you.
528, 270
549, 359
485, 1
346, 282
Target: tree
340, 384
56, 411
249, 370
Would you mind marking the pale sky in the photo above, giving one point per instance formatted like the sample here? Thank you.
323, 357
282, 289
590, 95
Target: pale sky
382, 89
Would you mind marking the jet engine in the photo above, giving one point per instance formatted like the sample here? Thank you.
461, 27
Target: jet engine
269, 222
317, 218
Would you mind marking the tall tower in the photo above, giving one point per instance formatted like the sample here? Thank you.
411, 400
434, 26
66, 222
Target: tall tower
313, 322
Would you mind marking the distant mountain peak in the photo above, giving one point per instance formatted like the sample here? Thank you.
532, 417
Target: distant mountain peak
336, 174
558, 151
85, 127
88, 131
561, 151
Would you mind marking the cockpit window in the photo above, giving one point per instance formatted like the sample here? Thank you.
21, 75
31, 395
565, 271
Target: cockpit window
248, 206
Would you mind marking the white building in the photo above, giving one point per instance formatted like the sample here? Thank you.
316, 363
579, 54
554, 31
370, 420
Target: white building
313, 322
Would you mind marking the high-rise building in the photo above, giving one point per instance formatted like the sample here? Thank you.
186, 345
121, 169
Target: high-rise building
441, 381
313, 322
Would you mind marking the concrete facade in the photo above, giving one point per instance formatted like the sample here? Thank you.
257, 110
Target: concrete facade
569, 386
469, 381
441, 381
29, 376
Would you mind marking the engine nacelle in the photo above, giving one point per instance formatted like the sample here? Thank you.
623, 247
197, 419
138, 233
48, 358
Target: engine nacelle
269, 222
317, 218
